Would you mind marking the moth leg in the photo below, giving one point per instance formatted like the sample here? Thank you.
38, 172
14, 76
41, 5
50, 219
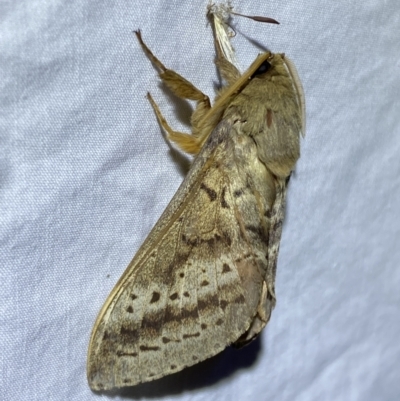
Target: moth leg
180, 86
227, 70
188, 143
225, 54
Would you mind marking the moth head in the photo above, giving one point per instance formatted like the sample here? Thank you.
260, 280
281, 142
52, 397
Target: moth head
266, 63
261, 65
264, 67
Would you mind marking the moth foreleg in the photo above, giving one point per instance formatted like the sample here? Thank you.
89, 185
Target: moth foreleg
149, 53
179, 85
188, 143
184, 89
227, 70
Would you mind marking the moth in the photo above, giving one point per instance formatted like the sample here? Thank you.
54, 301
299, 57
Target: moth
204, 277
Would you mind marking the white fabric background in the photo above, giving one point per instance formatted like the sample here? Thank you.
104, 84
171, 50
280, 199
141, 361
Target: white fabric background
85, 173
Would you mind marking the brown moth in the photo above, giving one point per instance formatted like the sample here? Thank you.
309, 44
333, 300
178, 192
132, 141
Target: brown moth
204, 277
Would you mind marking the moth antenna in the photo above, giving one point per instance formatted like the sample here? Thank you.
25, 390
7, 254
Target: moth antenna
258, 18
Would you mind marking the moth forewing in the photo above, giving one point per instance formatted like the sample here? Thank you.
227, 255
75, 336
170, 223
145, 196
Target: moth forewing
204, 277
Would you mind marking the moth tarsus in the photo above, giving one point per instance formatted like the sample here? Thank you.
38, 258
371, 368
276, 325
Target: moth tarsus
204, 277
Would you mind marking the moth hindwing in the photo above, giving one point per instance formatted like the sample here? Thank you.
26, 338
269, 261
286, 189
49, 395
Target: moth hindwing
204, 277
